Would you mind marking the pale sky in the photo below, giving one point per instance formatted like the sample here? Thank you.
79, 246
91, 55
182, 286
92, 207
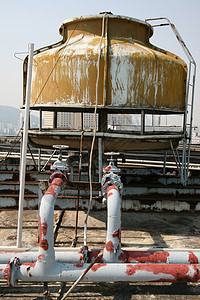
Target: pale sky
24, 21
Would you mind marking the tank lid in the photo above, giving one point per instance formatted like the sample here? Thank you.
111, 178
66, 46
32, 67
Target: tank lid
100, 16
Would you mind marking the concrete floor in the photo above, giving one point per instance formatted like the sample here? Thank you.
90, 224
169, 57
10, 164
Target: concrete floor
139, 230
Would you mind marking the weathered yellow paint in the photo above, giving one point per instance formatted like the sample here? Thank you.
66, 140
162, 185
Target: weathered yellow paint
133, 73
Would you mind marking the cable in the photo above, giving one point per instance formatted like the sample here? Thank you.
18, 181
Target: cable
94, 131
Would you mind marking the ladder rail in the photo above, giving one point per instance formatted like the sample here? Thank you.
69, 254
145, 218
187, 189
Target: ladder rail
189, 100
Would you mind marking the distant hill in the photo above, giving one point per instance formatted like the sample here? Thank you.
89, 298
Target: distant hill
10, 114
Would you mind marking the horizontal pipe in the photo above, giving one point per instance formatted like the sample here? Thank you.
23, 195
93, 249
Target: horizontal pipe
168, 257
24, 257
126, 256
102, 272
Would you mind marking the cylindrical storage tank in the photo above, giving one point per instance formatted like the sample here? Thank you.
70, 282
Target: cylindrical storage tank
132, 72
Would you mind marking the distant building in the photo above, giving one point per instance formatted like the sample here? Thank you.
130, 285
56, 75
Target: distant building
89, 121
69, 120
48, 117
122, 122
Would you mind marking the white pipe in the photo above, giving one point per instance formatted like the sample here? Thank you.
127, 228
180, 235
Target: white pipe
168, 256
46, 253
100, 158
25, 257
113, 239
24, 146
102, 272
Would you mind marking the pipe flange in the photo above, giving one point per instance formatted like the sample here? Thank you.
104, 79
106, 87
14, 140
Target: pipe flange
59, 174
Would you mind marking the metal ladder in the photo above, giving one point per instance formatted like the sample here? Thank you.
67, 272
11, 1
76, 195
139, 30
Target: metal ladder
189, 99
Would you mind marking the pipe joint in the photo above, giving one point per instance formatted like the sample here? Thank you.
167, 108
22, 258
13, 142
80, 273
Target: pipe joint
12, 269
84, 252
59, 174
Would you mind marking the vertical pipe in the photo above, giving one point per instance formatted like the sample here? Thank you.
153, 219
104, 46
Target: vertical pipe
106, 61
46, 253
100, 158
24, 146
39, 160
112, 248
40, 120
55, 117
165, 160
79, 178
39, 151
142, 121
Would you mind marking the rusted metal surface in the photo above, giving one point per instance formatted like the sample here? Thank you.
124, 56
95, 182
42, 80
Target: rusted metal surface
67, 74
112, 141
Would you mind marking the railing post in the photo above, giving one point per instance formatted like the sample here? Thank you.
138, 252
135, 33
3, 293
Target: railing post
24, 146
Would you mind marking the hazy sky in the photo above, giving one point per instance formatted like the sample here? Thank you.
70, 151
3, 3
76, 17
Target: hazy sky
24, 21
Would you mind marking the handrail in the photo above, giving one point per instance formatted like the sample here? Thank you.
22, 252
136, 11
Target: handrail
190, 84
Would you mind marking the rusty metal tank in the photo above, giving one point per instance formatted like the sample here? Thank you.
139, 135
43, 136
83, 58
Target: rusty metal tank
133, 73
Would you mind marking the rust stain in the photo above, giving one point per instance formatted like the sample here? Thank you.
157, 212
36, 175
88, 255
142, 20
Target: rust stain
30, 264
111, 187
117, 234
108, 168
110, 194
180, 273
80, 265
44, 228
144, 257
93, 254
44, 244
54, 185
40, 257
7, 273
192, 258
110, 246
96, 267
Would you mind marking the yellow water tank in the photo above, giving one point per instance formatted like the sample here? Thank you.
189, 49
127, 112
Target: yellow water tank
132, 72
